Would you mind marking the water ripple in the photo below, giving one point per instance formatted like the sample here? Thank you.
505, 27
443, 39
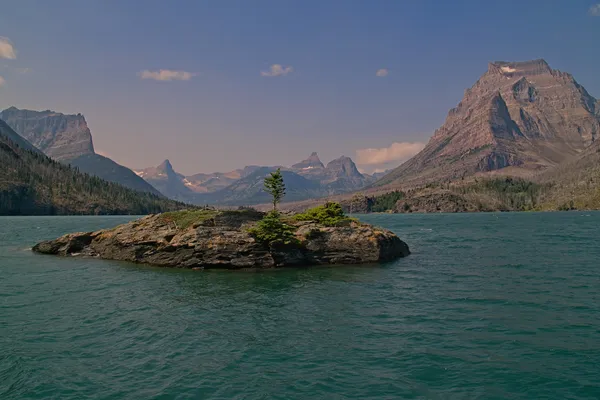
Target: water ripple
488, 306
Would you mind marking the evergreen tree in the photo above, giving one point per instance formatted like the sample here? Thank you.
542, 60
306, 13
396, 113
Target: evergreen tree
275, 187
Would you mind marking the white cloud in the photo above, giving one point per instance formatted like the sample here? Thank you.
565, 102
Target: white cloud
24, 70
397, 152
2, 81
166, 75
382, 72
6, 49
595, 10
277, 70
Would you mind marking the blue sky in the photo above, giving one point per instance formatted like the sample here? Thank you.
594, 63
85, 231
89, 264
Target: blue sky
218, 112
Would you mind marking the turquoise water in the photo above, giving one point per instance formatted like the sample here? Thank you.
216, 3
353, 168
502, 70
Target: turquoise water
488, 306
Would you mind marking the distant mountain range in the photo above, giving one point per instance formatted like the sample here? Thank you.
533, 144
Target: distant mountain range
306, 179
33, 184
67, 138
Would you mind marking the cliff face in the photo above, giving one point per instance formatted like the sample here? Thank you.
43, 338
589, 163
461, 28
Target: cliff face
519, 114
67, 138
59, 136
33, 184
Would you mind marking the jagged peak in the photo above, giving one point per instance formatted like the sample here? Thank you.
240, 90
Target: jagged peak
166, 166
520, 68
312, 161
314, 157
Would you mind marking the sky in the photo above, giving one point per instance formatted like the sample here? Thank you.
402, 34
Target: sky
217, 85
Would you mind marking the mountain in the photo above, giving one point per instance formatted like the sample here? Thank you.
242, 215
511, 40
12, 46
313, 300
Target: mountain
379, 175
167, 181
67, 138
33, 184
311, 167
8, 133
340, 175
190, 188
343, 174
59, 136
249, 190
304, 180
208, 183
574, 184
519, 117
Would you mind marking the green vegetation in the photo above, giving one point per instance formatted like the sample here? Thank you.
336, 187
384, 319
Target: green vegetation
509, 194
33, 184
386, 201
272, 230
495, 194
329, 214
275, 187
186, 218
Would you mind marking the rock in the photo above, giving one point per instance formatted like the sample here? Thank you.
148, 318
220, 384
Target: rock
221, 240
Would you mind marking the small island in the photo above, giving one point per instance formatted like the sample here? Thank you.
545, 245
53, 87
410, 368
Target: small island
204, 239
208, 239
245, 238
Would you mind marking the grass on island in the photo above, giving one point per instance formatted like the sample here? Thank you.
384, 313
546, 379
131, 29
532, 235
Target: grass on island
186, 218
329, 214
275, 228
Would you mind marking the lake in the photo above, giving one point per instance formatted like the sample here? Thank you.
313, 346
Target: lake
488, 306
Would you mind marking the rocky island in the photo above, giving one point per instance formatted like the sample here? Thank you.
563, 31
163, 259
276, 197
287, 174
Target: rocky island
205, 239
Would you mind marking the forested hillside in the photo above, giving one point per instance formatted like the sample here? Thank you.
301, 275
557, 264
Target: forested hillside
33, 184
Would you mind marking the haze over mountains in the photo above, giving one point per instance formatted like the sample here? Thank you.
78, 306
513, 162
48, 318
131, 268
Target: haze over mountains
309, 178
67, 138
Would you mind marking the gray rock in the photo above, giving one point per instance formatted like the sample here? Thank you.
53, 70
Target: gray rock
223, 241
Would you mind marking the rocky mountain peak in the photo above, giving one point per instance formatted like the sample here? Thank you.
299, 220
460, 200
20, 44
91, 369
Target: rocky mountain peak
523, 115
311, 162
343, 166
60, 136
166, 167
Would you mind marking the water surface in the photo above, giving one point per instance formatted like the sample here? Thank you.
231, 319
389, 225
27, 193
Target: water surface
488, 306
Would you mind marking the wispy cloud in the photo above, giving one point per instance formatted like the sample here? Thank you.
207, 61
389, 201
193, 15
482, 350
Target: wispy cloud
395, 153
2, 81
24, 70
277, 70
7, 50
595, 10
383, 72
166, 75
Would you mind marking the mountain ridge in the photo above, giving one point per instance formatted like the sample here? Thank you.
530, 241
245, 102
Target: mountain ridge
306, 179
31, 183
68, 139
